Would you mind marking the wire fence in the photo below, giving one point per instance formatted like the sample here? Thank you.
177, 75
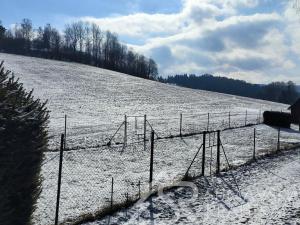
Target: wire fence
99, 179
96, 135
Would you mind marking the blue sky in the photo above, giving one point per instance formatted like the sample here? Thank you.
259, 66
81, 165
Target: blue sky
57, 12
254, 40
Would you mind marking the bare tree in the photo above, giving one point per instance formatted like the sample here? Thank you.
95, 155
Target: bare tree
152, 69
26, 29
97, 38
71, 36
55, 40
88, 39
47, 36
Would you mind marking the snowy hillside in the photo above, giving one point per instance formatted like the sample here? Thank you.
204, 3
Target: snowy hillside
96, 101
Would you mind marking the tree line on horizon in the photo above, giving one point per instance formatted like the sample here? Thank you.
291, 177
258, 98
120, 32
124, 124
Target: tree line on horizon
283, 92
81, 42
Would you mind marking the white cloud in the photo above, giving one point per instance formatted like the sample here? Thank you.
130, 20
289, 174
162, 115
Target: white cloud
216, 36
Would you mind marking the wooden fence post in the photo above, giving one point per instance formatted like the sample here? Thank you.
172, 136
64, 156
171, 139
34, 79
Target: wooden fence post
125, 131
180, 125
246, 118
218, 152
203, 153
62, 144
145, 131
151, 158
229, 120
254, 143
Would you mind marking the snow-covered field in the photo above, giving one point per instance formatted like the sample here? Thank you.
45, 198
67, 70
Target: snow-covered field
96, 100
266, 192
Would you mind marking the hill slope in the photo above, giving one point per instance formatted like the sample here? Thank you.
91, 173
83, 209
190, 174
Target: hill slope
96, 100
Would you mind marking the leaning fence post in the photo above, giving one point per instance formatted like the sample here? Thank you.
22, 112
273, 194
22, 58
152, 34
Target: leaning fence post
203, 153
151, 159
254, 143
62, 144
218, 152
180, 125
145, 131
207, 121
278, 140
125, 131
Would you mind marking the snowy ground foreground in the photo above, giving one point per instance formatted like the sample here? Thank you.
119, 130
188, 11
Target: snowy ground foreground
96, 100
266, 192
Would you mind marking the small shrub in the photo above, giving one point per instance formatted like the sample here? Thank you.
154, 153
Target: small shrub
279, 119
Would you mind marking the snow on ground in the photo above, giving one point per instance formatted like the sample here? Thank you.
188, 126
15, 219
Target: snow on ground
266, 192
96, 100
87, 173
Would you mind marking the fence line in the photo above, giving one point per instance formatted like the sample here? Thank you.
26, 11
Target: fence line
186, 127
136, 178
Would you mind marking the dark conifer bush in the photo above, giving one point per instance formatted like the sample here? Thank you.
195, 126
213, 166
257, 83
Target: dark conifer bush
23, 140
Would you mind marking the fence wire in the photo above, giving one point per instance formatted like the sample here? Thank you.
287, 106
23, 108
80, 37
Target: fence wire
83, 136
87, 173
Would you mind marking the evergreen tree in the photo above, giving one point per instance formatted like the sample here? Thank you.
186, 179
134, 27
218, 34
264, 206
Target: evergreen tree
23, 140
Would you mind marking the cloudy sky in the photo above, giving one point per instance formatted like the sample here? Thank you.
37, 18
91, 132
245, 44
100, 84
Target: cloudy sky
254, 40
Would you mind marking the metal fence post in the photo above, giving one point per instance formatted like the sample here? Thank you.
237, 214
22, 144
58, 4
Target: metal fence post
145, 131
229, 120
260, 116
125, 131
112, 193
65, 137
246, 118
278, 140
207, 121
139, 184
254, 143
180, 125
203, 153
62, 144
218, 152
151, 158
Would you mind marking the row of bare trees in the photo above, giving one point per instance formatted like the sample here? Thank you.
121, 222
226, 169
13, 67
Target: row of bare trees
80, 42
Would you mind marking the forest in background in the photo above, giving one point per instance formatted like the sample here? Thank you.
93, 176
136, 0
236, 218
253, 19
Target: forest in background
80, 42
283, 92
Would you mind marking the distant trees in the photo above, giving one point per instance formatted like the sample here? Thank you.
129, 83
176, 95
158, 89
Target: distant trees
280, 92
2, 30
80, 42
276, 91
